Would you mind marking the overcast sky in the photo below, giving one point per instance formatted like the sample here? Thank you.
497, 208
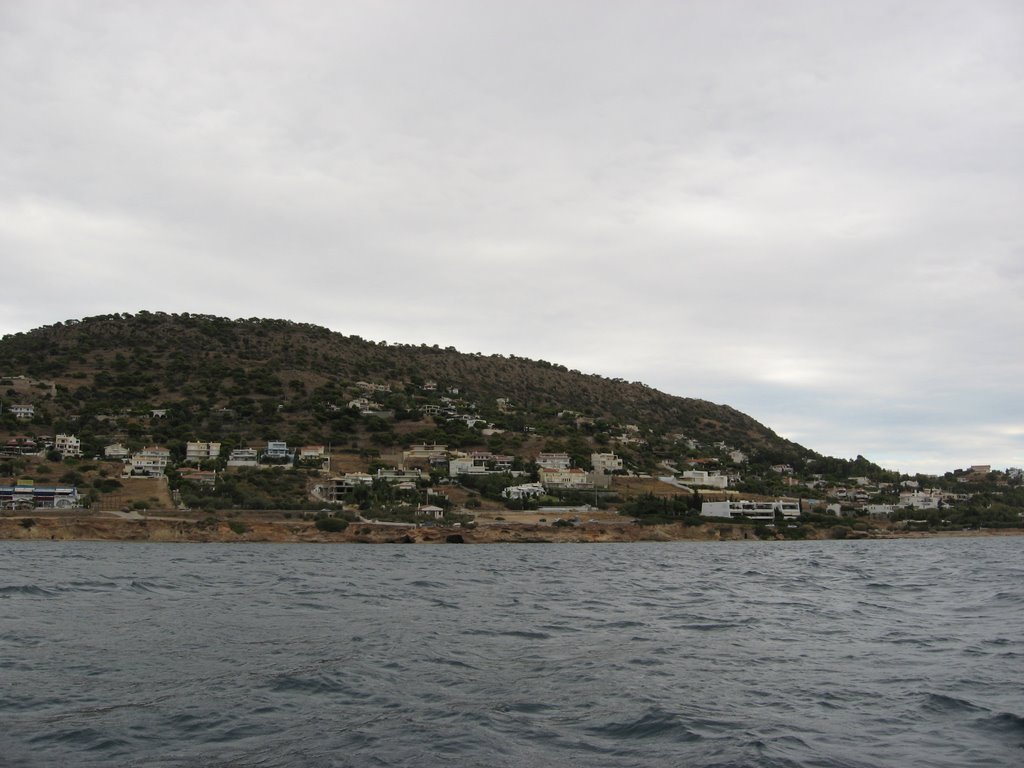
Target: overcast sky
811, 211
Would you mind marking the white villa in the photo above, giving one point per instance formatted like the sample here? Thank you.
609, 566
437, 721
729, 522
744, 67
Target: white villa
67, 445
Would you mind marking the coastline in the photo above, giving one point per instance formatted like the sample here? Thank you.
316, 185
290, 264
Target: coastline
91, 527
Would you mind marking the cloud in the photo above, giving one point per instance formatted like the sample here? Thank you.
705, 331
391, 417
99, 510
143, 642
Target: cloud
809, 211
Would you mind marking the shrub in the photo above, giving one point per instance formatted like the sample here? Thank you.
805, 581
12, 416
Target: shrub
331, 524
27, 522
238, 527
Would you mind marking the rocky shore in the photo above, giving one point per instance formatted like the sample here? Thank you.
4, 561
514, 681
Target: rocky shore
92, 527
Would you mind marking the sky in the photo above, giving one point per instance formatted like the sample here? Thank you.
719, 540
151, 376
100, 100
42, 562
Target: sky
812, 211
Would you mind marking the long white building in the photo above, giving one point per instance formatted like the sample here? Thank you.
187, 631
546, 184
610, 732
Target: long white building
751, 510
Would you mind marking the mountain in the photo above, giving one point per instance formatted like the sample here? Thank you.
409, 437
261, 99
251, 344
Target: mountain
249, 380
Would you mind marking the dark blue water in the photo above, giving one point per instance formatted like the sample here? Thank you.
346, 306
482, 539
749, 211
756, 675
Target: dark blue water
888, 653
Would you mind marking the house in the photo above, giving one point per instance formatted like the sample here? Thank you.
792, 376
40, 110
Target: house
67, 445
158, 413
433, 453
150, 462
564, 478
789, 509
22, 412
277, 452
502, 462
336, 489
399, 474
606, 462
312, 452
524, 491
429, 510
467, 465
243, 457
879, 510
920, 499
553, 461
116, 451
198, 452
701, 477
20, 445
200, 477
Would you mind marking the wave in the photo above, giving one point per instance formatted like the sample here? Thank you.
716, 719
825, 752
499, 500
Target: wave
27, 590
654, 724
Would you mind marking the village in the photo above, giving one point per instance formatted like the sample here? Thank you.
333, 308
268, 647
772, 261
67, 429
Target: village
435, 483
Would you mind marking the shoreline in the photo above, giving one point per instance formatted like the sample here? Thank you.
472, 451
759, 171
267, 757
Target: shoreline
91, 527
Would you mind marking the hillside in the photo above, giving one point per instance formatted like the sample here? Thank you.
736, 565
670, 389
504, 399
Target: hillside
247, 380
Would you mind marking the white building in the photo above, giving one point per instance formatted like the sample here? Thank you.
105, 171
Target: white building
67, 445
920, 499
196, 452
752, 510
524, 491
565, 478
150, 462
709, 479
399, 475
467, 465
606, 462
116, 451
243, 457
425, 451
22, 412
277, 452
554, 461
878, 510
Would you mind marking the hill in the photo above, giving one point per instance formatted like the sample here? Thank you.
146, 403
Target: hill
247, 380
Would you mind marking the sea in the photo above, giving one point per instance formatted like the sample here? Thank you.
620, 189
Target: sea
785, 654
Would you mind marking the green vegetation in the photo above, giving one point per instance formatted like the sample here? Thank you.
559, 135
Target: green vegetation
331, 524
